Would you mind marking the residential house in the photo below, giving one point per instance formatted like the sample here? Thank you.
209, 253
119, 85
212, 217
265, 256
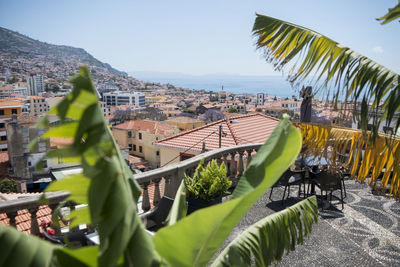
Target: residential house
7, 109
139, 137
185, 123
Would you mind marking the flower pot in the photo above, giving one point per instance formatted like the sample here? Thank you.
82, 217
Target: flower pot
197, 203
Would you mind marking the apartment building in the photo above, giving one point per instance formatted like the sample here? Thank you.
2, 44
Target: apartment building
36, 105
35, 84
139, 137
7, 109
124, 98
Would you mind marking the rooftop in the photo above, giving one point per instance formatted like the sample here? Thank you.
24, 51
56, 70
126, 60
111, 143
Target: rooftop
154, 127
237, 130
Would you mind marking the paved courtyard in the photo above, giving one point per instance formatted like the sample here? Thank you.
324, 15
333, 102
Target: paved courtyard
365, 233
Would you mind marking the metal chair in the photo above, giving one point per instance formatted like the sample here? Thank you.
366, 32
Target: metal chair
328, 182
289, 178
155, 219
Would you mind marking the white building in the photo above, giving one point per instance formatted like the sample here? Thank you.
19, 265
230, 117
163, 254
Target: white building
260, 99
118, 98
35, 84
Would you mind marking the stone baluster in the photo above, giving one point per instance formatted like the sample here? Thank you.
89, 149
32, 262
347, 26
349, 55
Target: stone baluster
145, 198
240, 166
219, 160
157, 194
233, 165
248, 157
34, 223
167, 186
225, 158
12, 215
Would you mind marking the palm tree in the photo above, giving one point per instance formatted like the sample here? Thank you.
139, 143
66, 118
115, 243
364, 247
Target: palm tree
370, 89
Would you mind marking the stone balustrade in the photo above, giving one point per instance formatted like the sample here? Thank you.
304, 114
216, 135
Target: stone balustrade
165, 181
170, 176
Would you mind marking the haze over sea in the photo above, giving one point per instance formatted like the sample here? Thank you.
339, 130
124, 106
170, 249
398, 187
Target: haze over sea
237, 84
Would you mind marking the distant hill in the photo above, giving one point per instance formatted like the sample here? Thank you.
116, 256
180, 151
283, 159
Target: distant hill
17, 44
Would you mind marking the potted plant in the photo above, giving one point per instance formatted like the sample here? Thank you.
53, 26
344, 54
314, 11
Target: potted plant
207, 186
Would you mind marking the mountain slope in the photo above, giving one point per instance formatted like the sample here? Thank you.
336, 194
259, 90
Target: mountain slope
17, 44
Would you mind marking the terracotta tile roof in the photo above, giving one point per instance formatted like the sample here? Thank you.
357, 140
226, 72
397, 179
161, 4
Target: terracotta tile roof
60, 142
183, 119
27, 118
36, 97
154, 127
10, 103
245, 129
23, 219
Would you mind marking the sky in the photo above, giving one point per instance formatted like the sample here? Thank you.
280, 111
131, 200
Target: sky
197, 37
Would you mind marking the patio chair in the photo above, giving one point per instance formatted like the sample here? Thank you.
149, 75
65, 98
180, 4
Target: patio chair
289, 178
155, 219
78, 238
328, 182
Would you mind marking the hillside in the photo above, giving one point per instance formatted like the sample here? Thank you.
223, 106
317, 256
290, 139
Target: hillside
18, 45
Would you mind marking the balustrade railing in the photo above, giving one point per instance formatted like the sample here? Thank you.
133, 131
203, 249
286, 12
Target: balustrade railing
171, 175
164, 181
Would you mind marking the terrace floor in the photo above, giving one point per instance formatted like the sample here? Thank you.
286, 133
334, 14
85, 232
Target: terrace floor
365, 233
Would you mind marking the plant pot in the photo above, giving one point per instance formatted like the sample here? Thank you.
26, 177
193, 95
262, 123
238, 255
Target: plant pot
197, 203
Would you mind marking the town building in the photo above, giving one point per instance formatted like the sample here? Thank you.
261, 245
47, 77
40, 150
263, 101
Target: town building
260, 99
139, 137
36, 105
7, 109
124, 98
35, 84
185, 123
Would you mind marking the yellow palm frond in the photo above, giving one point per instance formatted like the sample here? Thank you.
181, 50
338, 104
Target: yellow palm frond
378, 161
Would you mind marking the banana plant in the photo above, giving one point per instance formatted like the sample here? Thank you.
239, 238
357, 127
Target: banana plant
110, 190
364, 86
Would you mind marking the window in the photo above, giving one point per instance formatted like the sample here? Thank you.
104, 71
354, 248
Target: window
14, 111
140, 136
3, 138
157, 153
29, 163
1, 111
134, 147
130, 147
42, 147
129, 134
140, 149
156, 138
2, 125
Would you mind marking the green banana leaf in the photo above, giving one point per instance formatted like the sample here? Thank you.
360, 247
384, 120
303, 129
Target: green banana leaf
269, 238
194, 240
365, 86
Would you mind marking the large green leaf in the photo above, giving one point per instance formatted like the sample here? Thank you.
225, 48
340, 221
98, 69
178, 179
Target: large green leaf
202, 233
354, 77
267, 239
112, 193
19, 249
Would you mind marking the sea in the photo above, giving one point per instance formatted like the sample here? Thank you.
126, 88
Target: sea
238, 84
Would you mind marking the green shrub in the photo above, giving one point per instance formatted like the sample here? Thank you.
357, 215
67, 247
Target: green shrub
207, 183
8, 186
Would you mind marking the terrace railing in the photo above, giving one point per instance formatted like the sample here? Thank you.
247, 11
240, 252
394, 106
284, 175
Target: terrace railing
169, 177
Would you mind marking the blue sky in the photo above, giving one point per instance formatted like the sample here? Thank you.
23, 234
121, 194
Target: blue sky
197, 37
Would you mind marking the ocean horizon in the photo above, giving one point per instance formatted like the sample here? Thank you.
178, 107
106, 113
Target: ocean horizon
237, 84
